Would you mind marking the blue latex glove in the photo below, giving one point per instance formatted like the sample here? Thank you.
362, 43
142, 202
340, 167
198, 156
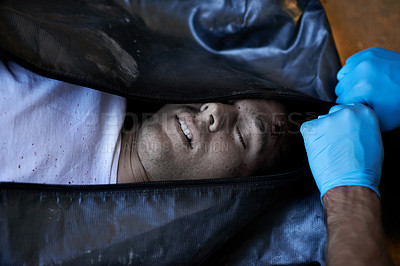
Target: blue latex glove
372, 77
344, 148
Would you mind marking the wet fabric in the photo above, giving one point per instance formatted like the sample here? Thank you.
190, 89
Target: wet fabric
163, 52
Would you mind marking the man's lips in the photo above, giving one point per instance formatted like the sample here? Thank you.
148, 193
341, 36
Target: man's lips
181, 134
187, 128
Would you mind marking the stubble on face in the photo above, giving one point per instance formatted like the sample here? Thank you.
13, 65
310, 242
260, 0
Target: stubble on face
166, 157
157, 150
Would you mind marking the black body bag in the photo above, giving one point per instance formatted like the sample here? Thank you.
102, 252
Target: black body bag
171, 51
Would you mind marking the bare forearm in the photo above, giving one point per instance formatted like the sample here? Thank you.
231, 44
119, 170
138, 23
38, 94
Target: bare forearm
355, 233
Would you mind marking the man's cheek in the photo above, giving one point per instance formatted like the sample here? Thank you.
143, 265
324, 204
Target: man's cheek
221, 148
169, 150
214, 148
152, 141
176, 148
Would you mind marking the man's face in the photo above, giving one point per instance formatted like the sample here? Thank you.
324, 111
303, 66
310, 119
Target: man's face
212, 140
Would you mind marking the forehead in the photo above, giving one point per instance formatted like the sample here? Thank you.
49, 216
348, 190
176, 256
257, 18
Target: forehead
256, 106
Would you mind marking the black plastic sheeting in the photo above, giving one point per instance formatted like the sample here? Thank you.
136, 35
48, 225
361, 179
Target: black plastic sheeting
171, 51
176, 50
235, 223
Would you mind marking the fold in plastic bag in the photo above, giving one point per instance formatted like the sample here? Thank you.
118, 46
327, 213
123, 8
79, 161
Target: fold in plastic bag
171, 50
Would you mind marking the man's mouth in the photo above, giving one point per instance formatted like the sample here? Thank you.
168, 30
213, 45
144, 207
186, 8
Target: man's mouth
185, 130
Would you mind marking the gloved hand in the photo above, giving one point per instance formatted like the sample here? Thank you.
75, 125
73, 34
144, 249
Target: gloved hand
372, 77
344, 148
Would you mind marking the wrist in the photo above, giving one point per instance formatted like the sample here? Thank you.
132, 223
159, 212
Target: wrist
351, 208
350, 198
363, 177
355, 233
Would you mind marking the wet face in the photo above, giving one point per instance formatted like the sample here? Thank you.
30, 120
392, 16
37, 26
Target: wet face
212, 140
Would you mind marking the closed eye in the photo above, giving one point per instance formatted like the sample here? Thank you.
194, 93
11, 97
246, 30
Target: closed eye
240, 137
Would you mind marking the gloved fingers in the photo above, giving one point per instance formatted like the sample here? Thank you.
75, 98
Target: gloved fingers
357, 57
310, 131
351, 90
309, 126
353, 61
378, 52
342, 73
369, 53
350, 98
346, 84
351, 64
336, 108
343, 147
340, 88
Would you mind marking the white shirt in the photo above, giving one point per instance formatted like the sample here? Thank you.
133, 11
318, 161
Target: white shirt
55, 132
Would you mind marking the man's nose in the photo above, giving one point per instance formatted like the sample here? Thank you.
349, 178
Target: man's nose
215, 115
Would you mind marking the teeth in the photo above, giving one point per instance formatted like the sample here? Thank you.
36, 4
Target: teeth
185, 130
183, 126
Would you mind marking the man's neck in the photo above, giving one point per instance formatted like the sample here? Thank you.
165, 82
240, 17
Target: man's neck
130, 168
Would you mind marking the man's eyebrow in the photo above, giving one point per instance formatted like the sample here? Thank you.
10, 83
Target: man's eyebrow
260, 125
